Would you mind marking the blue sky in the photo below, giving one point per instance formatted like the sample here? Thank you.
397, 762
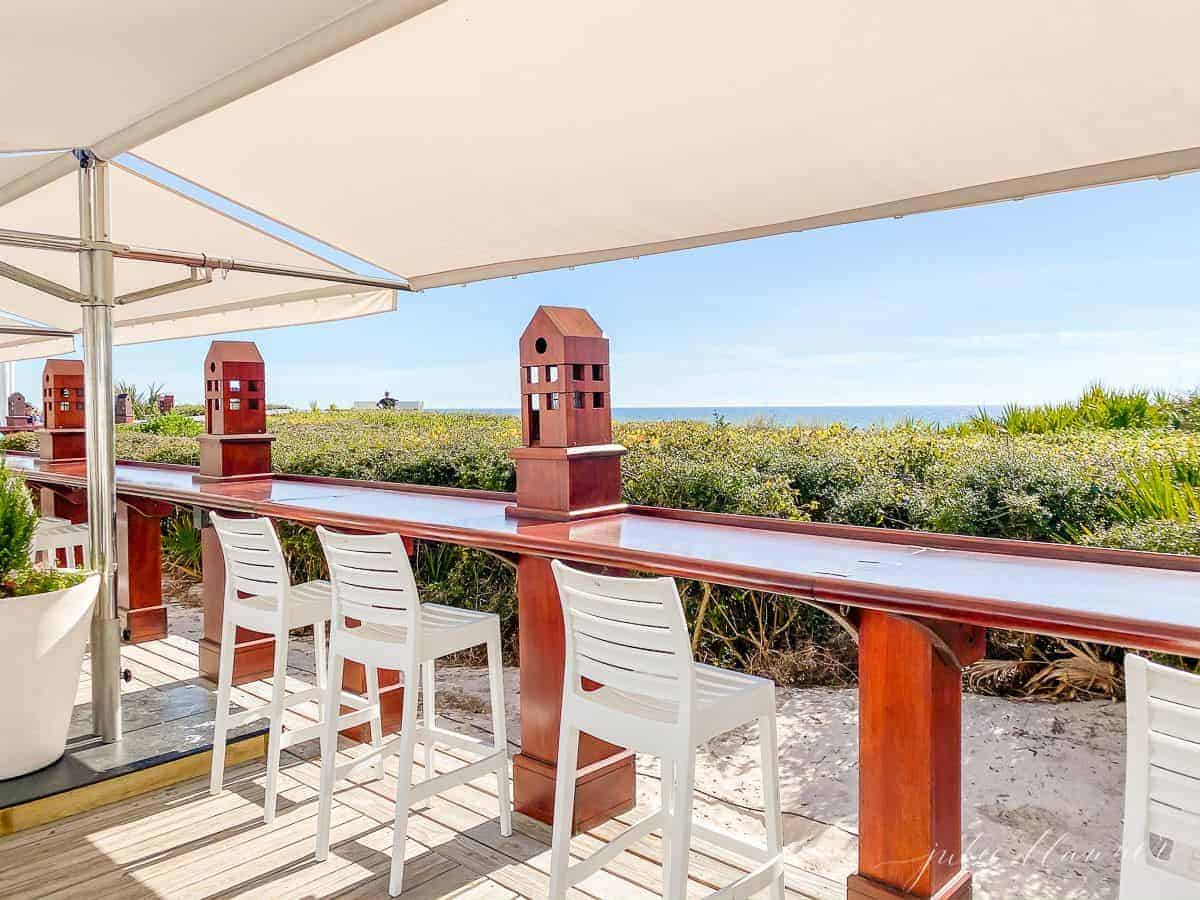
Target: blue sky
1022, 301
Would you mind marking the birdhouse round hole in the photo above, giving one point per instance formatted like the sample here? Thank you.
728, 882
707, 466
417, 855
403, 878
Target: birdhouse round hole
540, 345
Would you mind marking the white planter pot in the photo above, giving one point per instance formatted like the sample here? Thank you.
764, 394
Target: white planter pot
42, 638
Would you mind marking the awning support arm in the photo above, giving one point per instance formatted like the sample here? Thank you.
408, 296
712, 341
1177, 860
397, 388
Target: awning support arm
192, 260
37, 282
195, 279
36, 331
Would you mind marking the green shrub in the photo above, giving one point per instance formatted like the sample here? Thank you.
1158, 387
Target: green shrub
172, 424
19, 440
17, 522
1152, 536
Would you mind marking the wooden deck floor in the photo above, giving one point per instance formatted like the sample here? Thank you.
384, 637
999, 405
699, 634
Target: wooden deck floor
179, 842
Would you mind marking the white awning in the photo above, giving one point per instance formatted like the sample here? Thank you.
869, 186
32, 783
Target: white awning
108, 76
145, 213
466, 140
486, 138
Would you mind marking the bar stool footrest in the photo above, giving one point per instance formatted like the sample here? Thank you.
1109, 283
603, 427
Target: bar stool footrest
616, 845
752, 882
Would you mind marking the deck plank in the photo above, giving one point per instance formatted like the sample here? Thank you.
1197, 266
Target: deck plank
183, 843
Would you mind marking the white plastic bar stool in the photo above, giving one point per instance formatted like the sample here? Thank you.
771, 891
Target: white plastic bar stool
51, 535
629, 634
1160, 856
260, 596
373, 583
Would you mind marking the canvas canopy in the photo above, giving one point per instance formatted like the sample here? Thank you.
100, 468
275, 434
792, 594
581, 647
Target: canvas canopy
145, 213
470, 139
482, 139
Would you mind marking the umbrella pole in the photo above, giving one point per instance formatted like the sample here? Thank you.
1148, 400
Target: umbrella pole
96, 283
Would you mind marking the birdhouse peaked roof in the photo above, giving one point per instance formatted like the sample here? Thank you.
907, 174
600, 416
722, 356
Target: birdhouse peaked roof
233, 351
63, 367
569, 321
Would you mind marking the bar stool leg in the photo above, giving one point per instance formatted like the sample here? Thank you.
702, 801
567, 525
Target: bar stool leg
408, 724
221, 724
321, 665
429, 715
372, 677
666, 795
564, 809
499, 731
773, 815
329, 746
676, 875
275, 739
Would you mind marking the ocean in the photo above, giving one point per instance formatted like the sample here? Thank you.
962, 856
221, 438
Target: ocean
855, 416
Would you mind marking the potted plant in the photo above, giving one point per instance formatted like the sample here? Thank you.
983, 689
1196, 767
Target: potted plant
44, 622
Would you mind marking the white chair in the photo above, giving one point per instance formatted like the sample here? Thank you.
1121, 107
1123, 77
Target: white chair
259, 596
373, 583
629, 634
1160, 856
53, 535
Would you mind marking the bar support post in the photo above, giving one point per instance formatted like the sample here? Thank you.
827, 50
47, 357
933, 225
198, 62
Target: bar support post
96, 283
910, 758
605, 785
139, 568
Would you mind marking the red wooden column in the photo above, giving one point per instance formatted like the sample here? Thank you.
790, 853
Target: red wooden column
235, 448
64, 502
391, 691
568, 468
605, 785
254, 653
910, 758
139, 568
62, 438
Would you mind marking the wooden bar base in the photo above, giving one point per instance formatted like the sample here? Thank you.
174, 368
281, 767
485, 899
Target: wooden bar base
391, 698
859, 887
602, 790
910, 758
605, 784
254, 653
139, 568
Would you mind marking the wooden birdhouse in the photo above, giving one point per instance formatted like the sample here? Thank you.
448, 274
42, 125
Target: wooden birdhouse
236, 443
234, 389
123, 409
19, 411
166, 403
62, 436
564, 380
62, 393
568, 466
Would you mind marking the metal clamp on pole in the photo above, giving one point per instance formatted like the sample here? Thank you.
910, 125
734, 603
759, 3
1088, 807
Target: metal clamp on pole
96, 284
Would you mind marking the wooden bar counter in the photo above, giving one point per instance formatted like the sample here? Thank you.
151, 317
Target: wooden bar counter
921, 603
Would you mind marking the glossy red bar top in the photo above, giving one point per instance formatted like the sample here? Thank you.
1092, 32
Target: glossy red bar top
1138, 600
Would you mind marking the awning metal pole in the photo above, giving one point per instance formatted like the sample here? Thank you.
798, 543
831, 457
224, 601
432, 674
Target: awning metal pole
96, 282
195, 260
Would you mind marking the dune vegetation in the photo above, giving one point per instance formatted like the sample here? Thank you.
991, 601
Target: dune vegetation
1115, 468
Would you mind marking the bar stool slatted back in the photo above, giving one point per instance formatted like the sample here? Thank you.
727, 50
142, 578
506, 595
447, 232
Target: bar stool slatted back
260, 596
254, 560
373, 583
1161, 852
372, 579
630, 635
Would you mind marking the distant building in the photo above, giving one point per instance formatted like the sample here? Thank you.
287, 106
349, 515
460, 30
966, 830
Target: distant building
406, 405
